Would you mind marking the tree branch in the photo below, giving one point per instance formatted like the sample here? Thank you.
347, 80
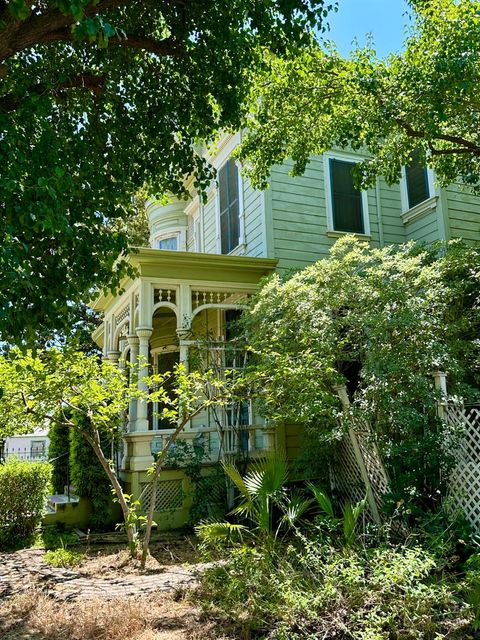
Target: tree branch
466, 146
87, 81
54, 26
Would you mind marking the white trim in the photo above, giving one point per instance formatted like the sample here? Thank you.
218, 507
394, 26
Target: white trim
240, 246
347, 157
420, 209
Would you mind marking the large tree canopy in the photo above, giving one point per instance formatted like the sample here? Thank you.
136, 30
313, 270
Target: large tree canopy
426, 97
100, 97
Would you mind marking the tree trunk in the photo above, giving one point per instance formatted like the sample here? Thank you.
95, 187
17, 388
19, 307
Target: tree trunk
130, 528
154, 484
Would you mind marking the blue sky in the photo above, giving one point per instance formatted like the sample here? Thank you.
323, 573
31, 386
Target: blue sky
384, 19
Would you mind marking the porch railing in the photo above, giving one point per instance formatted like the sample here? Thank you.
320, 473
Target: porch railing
217, 444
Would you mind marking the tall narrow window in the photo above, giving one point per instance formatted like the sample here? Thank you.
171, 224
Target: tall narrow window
417, 181
229, 206
347, 208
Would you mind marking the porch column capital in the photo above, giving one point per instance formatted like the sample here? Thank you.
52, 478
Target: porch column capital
144, 332
133, 340
113, 356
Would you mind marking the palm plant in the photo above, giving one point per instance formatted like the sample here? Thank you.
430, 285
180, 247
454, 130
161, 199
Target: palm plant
262, 492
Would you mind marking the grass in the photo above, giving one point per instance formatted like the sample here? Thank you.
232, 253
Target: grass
157, 617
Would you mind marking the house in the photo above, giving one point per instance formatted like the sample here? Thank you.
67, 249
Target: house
27, 446
206, 259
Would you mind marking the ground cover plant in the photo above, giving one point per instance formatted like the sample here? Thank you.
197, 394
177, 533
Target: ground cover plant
298, 568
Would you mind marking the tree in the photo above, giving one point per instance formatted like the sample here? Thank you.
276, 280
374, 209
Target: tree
91, 398
99, 98
379, 321
426, 98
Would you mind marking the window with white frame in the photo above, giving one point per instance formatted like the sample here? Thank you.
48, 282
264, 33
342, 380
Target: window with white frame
417, 181
229, 206
169, 243
347, 205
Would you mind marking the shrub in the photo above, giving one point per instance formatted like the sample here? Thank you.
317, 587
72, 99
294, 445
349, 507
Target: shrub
58, 452
23, 490
63, 558
90, 481
317, 591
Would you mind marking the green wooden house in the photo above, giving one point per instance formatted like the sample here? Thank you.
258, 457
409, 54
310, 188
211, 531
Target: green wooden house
205, 260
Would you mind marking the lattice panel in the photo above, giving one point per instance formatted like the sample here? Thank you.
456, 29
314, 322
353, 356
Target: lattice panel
169, 495
465, 477
347, 475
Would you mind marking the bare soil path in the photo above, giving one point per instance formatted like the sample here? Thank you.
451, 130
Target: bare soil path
105, 597
23, 570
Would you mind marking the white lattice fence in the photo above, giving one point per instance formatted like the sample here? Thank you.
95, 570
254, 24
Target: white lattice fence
358, 471
169, 495
465, 477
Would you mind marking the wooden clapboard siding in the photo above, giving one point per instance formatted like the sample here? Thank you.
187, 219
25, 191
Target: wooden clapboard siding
253, 207
463, 213
424, 228
210, 224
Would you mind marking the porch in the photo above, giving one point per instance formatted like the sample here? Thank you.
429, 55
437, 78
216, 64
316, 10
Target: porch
177, 301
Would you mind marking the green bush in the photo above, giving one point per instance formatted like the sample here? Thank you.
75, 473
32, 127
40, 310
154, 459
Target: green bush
24, 487
59, 436
90, 481
63, 558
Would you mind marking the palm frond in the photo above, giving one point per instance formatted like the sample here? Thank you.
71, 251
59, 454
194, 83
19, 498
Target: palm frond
220, 531
234, 475
322, 499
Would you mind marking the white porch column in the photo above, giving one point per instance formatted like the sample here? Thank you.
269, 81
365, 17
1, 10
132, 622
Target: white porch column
133, 341
143, 334
440, 379
113, 356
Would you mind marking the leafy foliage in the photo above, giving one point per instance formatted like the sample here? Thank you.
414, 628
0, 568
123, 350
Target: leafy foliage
425, 98
315, 591
379, 321
90, 480
23, 491
100, 99
59, 453
63, 558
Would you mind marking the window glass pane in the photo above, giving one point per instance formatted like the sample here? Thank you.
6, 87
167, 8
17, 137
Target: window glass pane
417, 181
168, 244
229, 206
346, 198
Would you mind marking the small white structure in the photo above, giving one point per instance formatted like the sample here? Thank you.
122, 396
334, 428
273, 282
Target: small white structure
29, 446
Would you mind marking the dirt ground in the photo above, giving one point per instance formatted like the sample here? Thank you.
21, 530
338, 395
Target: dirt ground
106, 597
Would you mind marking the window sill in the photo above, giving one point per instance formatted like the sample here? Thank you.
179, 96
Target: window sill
419, 210
340, 234
238, 251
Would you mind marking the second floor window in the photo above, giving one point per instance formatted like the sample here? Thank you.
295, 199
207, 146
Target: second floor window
347, 206
228, 187
416, 177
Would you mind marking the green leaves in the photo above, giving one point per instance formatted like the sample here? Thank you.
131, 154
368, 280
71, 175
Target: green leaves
379, 321
85, 124
426, 96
